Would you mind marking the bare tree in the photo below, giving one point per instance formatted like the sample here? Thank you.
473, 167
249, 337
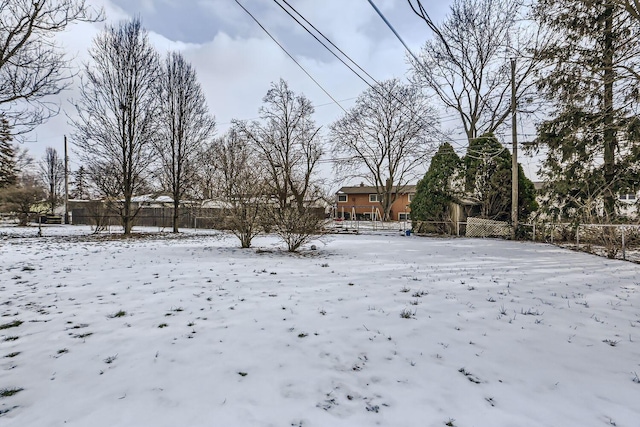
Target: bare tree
52, 175
186, 126
32, 65
117, 115
385, 139
297, 228
206, 183
631, 6
466, 64
241, 185
288, 146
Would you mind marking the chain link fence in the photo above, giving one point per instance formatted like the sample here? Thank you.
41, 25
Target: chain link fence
612, 240
480, 227
616, 241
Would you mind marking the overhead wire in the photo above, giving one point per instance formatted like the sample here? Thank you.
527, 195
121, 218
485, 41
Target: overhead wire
424, 16
290, 56
374, 88
313, 105
452, 117
386, 21
442, 119
422, 13
327, 39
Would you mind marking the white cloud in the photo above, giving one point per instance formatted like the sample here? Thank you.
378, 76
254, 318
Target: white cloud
237, 61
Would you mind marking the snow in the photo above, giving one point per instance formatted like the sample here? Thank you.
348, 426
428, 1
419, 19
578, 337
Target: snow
502, 333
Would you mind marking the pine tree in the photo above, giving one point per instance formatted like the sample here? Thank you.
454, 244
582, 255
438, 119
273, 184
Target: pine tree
434, 192
80, 185
591, 142
8, 168
487, 173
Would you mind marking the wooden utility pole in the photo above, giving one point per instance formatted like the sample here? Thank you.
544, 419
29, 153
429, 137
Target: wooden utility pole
66, 182
514, 155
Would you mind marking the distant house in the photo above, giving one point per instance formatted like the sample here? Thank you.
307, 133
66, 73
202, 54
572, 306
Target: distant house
363, 202
629, 204
628, 201
629, 198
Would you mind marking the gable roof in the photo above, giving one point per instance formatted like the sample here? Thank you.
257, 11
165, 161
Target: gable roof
369, 189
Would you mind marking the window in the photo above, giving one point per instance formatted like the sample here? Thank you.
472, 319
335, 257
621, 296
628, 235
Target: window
374, 198
404, 216
342, 198
411, 196
627, 196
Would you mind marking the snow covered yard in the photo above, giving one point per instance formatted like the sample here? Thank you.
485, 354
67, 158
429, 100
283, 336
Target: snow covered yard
365, 331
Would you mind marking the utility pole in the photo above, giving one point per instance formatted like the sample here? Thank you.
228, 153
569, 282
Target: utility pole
514, 156
66, 182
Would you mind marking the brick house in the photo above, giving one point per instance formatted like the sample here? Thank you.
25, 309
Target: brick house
362, 201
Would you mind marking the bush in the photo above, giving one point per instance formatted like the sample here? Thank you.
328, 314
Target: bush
21, 201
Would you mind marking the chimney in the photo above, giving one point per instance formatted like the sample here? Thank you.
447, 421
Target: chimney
361, 184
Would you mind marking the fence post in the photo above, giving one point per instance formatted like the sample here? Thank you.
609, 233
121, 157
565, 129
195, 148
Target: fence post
578, 237
624, 255
458, 228
534, 231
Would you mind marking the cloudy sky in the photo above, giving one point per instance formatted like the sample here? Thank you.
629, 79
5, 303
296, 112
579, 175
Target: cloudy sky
236, 61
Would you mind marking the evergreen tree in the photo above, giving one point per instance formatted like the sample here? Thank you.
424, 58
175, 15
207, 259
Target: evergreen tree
80, 185
487, 173
591, 143
8, 167
434, 192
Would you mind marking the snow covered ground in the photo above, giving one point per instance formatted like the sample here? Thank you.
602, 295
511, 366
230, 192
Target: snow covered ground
381, 330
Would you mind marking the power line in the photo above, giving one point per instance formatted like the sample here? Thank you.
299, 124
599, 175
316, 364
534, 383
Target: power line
290, 56
376, 89
328, 40
386, 21
342, 52
314, 106
394, 31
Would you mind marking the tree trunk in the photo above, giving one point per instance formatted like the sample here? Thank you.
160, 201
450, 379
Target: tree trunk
127, 220
176, 213
245, 240
52, 194
387, 200
610, 142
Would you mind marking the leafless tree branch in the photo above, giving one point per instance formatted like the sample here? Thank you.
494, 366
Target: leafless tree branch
385, 139
32, 65
118, 114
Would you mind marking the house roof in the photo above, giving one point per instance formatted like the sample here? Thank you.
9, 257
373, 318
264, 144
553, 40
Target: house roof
369, 189
467, 201
150, 198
